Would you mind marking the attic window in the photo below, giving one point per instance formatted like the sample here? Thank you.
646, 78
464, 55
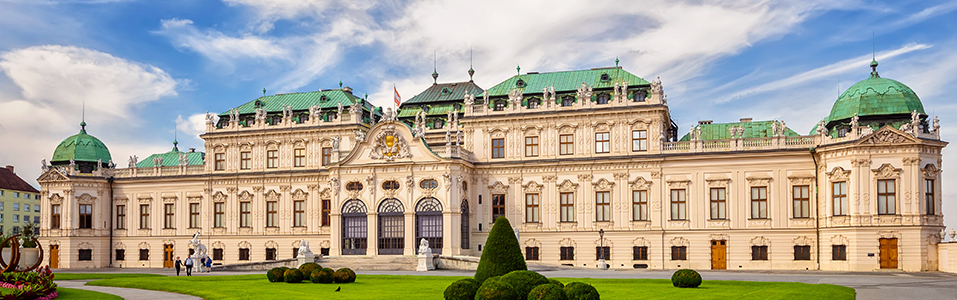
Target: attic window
533, 103
568, 101
603, 98
446, 91
520, 83
323, 98
258, 103
605, 77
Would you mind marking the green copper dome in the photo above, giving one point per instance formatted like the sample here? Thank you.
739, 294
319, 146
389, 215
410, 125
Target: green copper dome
876, 96
81, 147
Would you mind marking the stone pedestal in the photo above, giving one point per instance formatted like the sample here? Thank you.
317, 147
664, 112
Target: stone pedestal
425, 262
306, 259
602, 265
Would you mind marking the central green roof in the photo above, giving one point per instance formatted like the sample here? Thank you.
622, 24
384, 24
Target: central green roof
171, 158
81, 147
756, 129
565, 81
445, 92
326, 99
875, 96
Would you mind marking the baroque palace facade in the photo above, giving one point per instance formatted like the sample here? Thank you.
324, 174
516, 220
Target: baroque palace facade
585, 164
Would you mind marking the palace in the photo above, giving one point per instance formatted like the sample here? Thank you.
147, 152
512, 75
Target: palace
588, 165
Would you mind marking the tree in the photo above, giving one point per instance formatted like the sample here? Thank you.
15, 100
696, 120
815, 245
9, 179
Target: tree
502, 253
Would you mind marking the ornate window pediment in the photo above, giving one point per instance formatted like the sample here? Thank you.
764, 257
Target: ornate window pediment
678, 182
299, 195
85, 199
719, 180
887, 136
532, 187
801, 178
640, 184
802, 241
567, 186
603, 185
930, 172
839, 240
679, 241
886, 171
760, 241
640, 242
759, 179
56, 198
498, 188
838, 174
245, 196
219, 197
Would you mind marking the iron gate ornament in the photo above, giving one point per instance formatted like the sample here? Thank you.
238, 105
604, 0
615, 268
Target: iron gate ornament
15, 255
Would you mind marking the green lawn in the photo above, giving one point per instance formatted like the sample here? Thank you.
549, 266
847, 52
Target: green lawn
86, 276
75, 294
394, 287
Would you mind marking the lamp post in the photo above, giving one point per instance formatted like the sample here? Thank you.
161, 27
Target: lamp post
601, 250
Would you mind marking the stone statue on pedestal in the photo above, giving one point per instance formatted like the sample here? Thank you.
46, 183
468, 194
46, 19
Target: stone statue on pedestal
425, 257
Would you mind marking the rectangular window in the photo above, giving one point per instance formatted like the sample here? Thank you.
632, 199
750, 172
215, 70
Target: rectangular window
759, 252
929, 202
601, 142
144, 254
498, 148
566, 144
86, 215
217, 253
245, 160
54, 216
602, 206
120, 254
531, 253
16, 218
602, 252
498, 206
243, 253
802, 201
16, 207
531, 146
639, 253
326, 209
839, 196
299, 157
194, 215
718, 204
886, 204
219, 215
169, 220
144, 216
26, 207
36, 219
272, 159
802, 252
244, 214
639, 140
299, 213
679, 253
85, 255
270, 253
678, 203
16, 194
567, 253
326, 156
639, 205
271, 213
531, 208
121, 217
759, 202
219, 161
36, 208
567, 207
838, 252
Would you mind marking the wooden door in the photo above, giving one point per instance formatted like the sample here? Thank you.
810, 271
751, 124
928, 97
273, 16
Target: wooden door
888, 248
719, 254
54, 256
168, 256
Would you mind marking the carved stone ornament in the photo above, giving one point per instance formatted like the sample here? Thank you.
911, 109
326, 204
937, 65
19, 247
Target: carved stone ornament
532, 187
839, 240
245, 196
718, 181
498, 188
911, 161
640, 242
567, 242
56, 199
567, 186
886, 136
759, 179
679, 241
886, 171
640, 184
603, 185
801, 178
389, 145
760, 241
52, 175
334, 185
863, 162
299, 195
802, 241
219, 197
85, 199
838, 174
930, 172
678, 182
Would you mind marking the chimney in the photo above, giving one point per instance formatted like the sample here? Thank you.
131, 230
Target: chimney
745, 120
191, 150
9, 167
704, 122
347, 90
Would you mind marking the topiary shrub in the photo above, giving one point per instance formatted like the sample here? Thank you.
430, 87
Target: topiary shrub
556, 282
463, 289
524, 281
275, 275
293, 276
344, 275
324, 275
496, 289
686, 278
581, 291
307, 268
547, 292
502, 253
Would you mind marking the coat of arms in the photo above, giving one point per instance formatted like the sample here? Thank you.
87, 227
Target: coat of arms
389, 145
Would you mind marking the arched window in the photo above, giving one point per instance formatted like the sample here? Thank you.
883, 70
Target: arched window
354, 186
603, 98
428, 184
500, 105
428, 223
465, 223
390, 185
568, 101
354, 227
391, 227
534, 103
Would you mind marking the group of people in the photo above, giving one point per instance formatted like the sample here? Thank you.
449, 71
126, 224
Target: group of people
205, 264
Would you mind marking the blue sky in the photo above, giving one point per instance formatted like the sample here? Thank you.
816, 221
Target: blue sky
145, 69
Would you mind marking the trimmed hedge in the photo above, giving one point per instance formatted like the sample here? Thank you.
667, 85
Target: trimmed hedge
686, 278
496, 289
344, 275
524, 281
275, 275
463, 289
556, 282
581, 291
324, 275
293, 276
502, 252
307, 268
547, 292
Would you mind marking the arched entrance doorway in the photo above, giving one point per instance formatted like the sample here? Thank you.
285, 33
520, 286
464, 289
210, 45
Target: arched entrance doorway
354, 227
391, 227
428, 223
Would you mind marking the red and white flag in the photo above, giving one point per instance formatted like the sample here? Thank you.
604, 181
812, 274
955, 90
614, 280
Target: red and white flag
398, 99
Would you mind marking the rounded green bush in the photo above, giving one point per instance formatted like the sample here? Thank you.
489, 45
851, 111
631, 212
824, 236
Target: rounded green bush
524, 281
293, 276
556, 282
324, 275
686, 278
463, 289
307, 268
581, 291
502, 253
547, 292
496, 289
275, 275
344, 275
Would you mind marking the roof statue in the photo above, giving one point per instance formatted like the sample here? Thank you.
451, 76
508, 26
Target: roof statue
72, 165
210, 118
43, 165
469, 99
339, 111
354, 108
132, 161
183, 159
584, 93
157, 161
515, 98
774, 128
314, 111
389, 115
821, 128
485, 97
260, 115
936, 124
854, 121
360, 136
335, 143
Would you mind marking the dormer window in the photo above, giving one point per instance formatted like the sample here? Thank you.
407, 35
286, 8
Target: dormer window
605, 77
258, 103
520, 83
323, 98
446, 91
640, 96
500, 105
533, 103
568, 101
603, 98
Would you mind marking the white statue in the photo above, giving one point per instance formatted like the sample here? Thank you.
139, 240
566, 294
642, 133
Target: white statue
424, 247
235, 115
485, 97
459, 138
389, 114
784, 128
774, 128
691, 135
936, 124
822, 128
232, 115
340, 109
183, 159
448, 119
656, 87
199, 250
360, 136
469, 99
158, 161
304, 251
425, 257
313, 111
854, 121
624, 92
209, 118
133, 160
697, 132
914, 117
584, 93
741, 132
515, 98
260, 115
354, 108
335, 143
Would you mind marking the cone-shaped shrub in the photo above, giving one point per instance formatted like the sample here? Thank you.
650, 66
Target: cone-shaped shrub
501, 254
463, 289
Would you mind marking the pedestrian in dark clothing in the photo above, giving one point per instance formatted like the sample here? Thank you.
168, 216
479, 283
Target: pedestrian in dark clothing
189, 266
209, 264
179, 264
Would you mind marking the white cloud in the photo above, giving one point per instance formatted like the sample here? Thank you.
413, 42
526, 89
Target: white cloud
193, 125
218, 46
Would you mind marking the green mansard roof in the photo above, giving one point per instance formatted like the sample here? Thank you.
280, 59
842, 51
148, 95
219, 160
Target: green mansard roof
757, 129
81, 147
434, 110
566, 81
875, 96
445, 92
171, 158
326, 99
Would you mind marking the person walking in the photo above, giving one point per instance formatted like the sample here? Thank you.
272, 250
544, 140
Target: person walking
189, 266
202, 265
209, 264
179, 264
